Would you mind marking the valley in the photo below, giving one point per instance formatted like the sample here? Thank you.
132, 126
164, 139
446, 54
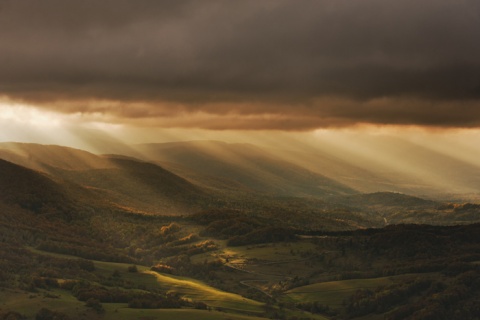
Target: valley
239, 160
210, 230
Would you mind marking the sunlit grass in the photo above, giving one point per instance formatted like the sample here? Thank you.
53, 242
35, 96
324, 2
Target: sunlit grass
199, 291
188, 288
116, 312
28, 304
333, 293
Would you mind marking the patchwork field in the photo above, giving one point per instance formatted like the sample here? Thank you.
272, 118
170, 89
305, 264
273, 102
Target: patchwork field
270, 261
333, 293
59, 300
199, 291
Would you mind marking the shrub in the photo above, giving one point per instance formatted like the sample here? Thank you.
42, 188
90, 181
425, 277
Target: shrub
132, 269
47, 314
95, 305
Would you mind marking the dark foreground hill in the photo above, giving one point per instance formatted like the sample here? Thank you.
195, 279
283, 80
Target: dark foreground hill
30, 190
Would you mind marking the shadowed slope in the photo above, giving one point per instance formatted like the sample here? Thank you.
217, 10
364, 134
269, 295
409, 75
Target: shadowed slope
30, 189
240, 165
385, 199
121, 181
140, 185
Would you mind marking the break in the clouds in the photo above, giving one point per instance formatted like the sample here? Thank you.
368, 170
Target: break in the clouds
246, 64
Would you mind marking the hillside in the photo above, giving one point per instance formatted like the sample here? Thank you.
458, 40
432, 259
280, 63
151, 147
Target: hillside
86, 239
124, 182
207, 174
385, 199
31, 190
43, 157
389, 164
139, 185
217, 164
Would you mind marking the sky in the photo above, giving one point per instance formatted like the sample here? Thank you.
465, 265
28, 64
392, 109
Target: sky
146, 70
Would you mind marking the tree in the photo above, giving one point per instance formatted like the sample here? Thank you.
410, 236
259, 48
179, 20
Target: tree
47, 314
132, 268
95, 305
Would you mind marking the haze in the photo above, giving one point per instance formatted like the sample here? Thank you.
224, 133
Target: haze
385, 86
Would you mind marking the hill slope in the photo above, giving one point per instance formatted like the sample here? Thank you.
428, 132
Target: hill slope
385, 163
218, 164
43, 157
123, 182
139, 185
385, 199
29, 189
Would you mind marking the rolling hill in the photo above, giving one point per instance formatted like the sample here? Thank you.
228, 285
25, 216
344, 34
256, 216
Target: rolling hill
140, 185
385, 199
119, 182
389, 164
75, 226
112, 180
183, 178
222, 165
30, 190
44, 157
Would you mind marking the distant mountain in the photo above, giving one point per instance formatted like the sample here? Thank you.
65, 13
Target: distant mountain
363, 176
240, 167
390, 164
44, 157
385, 199
397, 208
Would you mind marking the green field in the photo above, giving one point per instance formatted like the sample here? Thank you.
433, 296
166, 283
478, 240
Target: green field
264, 252
116, 312
334, 292
271, 261
187, 288
29, 304
199, 291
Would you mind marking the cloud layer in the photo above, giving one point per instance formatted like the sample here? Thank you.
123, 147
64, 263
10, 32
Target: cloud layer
246, 64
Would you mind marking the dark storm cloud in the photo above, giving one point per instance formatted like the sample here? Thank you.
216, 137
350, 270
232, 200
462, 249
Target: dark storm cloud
286, 59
